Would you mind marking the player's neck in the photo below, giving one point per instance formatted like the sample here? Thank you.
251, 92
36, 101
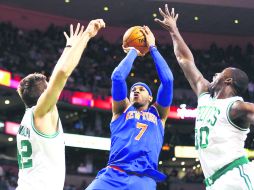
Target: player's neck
141, 108
223, 93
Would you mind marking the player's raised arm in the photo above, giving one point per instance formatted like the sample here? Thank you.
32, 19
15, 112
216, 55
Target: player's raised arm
165, 91
183, 54
119, 86
76, 42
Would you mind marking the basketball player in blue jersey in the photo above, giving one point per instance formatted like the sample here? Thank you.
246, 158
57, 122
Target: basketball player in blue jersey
137, 129
223, 117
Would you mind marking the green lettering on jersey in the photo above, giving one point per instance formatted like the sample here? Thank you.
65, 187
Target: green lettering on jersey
24, 155
208, 114
24, 131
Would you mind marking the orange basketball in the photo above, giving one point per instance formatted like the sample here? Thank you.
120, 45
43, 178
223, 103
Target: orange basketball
134, 37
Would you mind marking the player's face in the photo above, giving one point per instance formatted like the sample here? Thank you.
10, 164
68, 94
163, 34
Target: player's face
140, 95
218, 80
215, 83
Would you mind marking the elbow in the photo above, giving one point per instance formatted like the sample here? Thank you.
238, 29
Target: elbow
168, 84
185, 60
168, 81
117, 75
63, 73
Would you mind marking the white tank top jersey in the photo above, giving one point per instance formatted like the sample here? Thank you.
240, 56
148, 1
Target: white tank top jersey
218, 140
41, 157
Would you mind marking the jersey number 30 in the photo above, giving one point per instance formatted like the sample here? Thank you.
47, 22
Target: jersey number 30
143, 128
202, 140
24, 159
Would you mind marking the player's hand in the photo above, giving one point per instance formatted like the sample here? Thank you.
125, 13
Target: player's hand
75, 36
150, 39
169, 19
127, 49
94, 26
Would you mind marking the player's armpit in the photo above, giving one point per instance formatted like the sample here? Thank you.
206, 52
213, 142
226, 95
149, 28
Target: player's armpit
118, 107
242, 112
163, 112
249, 107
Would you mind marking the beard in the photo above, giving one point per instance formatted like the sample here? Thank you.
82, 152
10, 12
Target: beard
137, 104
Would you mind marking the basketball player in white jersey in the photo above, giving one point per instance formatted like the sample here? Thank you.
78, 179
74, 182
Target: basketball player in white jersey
40, 143
223, 118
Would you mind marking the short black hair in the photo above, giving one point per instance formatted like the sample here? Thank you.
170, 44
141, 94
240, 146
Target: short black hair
240, 81
31, 87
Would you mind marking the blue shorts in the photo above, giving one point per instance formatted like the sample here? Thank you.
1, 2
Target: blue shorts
112, 179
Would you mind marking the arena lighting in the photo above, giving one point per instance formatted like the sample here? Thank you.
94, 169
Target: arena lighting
5, 78
7, 102
182, 112
14, 84
166, 147
82, 99
83, 141
105, 8
10, 139
185, 152
91, 142
190, 152
11, 128
196, 18
88, 99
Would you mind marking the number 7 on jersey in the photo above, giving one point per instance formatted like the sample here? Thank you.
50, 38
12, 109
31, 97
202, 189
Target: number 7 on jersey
143, 128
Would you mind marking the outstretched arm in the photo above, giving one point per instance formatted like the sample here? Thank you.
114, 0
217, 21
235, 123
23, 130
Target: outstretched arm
183, 54
75, 45
119, 86
165, 91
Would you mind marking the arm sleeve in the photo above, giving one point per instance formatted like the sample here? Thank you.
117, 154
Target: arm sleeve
119, 75
165, 91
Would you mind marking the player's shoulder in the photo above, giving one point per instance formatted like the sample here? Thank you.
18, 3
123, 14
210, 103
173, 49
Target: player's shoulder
129, 108
152, 109
202, 94
240, 105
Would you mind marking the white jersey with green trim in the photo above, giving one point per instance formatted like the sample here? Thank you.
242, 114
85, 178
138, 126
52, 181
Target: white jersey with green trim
41, 157
218, 140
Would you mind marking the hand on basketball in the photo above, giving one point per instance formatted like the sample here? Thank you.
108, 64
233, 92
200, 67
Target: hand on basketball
169, 19
127, 49
150, 39
94, 26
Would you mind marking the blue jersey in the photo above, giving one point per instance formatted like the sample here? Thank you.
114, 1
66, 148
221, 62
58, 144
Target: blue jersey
136, 141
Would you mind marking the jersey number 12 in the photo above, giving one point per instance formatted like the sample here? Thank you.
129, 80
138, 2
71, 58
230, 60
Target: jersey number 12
24, 159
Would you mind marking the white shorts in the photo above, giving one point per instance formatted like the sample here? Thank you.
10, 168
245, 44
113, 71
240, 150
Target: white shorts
240, 178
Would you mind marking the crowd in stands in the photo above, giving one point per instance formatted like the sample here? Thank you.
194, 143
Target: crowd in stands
24, 52
176, 176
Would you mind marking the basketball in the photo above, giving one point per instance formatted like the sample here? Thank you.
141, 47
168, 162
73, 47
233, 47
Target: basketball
134, 37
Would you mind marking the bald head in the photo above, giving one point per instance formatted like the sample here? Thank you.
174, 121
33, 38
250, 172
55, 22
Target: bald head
240, 79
